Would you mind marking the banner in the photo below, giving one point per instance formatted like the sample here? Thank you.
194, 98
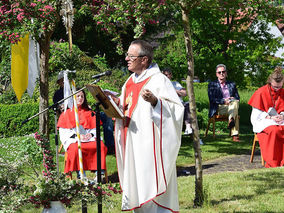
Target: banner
24, 66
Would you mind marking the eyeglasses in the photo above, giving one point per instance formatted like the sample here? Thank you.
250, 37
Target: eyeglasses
219, 72
133, 57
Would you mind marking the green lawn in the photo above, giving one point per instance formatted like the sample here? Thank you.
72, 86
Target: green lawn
258, 191
250, 191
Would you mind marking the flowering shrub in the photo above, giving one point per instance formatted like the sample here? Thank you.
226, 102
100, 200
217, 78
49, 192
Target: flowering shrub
12, 188
19, 186
52, 186
28, 15
93, 193
116, 18
55, 189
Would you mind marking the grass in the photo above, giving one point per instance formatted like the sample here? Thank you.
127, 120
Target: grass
258, 190
251, 191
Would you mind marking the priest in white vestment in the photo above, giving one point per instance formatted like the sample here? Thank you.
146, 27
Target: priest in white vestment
148, 139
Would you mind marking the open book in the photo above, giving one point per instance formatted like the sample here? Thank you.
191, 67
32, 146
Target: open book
272, 111
108, 105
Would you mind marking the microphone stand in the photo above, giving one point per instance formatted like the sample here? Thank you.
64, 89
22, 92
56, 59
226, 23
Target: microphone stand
56, 138
58, 102
53, 105
98, 136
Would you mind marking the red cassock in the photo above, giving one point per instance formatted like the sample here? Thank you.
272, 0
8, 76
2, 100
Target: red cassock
271, 139
89, 149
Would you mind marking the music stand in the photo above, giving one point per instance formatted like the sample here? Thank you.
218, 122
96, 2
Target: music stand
109, 106
111, 110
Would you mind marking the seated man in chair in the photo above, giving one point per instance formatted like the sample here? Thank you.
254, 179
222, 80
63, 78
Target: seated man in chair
224, 100
68, 137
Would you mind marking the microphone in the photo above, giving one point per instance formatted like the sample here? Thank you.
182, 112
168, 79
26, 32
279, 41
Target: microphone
106, 73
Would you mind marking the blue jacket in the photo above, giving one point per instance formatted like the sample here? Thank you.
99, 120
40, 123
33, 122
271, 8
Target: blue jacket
216, 96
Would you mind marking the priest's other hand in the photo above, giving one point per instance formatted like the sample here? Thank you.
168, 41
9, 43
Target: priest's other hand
148, 96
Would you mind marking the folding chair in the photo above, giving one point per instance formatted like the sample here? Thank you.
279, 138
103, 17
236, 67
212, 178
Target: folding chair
65, 158
214, 119
255, 139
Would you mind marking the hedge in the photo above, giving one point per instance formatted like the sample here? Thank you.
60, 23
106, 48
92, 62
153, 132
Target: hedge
12, 117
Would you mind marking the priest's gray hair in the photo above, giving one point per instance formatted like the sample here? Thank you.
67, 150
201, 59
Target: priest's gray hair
146, 49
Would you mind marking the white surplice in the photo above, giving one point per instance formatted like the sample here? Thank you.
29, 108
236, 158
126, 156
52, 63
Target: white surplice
259, 121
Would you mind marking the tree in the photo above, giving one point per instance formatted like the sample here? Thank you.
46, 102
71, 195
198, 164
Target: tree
39, 19
199, 196
243, 43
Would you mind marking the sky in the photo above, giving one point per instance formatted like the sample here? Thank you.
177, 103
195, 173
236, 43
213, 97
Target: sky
275, 31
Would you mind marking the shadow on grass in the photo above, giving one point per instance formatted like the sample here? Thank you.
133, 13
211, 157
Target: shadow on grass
263, 182
272, 180
233, 198
190, 170
218, 155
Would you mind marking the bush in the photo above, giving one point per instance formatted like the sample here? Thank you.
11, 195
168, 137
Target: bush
60, 59
13, 116
13, 162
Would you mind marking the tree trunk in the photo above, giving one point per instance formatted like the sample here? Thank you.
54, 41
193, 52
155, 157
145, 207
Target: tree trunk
43, 84
199, 197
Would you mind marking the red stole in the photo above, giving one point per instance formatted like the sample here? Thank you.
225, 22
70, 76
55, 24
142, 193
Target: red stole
86, 119
265, 97
132, 92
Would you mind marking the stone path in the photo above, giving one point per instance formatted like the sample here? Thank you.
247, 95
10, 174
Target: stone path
229, 163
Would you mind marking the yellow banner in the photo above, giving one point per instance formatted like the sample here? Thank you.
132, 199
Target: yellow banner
19, 66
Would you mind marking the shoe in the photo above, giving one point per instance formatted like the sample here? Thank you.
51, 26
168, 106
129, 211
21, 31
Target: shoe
95, 180
236, 138
231, 123
188, 131
185, 172
79, 175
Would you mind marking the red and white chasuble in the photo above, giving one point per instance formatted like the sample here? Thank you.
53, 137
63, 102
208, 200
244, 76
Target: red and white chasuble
269, 133
67, 129
148, 141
